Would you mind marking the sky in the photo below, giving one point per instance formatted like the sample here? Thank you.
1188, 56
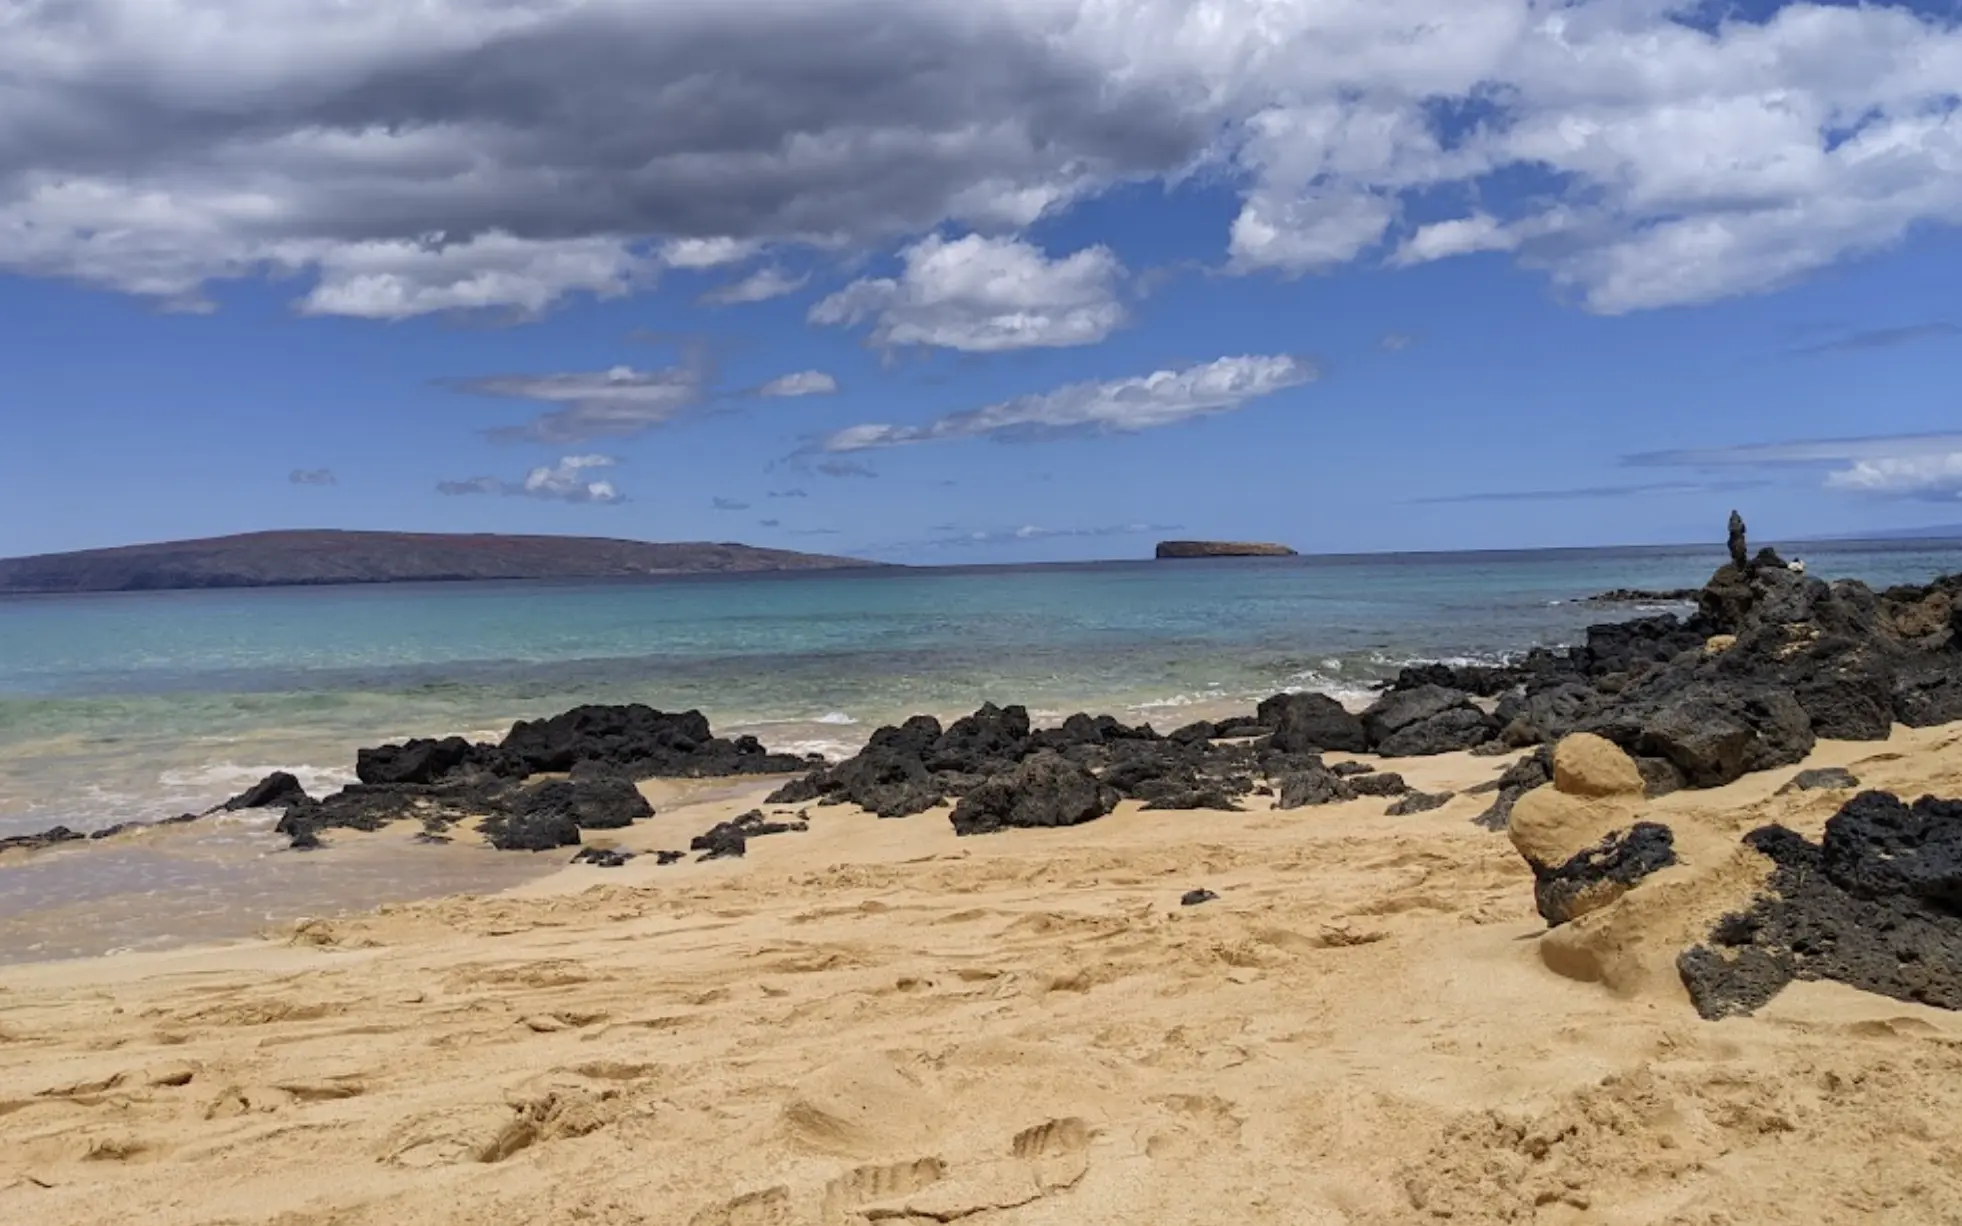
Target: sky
981, 281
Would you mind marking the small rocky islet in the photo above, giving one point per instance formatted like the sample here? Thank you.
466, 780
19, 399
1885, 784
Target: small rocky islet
1769, 662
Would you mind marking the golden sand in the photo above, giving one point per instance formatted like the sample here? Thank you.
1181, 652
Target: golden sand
878, 1022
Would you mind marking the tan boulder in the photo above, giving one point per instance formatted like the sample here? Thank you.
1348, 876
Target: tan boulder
1718, 644
1588, 765
1550, 827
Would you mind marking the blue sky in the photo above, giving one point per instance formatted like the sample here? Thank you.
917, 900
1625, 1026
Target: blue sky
1004, 281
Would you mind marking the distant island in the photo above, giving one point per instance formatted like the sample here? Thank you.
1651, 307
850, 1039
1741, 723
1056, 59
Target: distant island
1222, 549
324, 556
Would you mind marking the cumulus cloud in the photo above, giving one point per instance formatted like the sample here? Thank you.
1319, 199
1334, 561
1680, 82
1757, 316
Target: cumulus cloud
802, 383
1117, 406
759, 286
984, 295
502, 154
616, 403
728, 504
565, 481
311, 476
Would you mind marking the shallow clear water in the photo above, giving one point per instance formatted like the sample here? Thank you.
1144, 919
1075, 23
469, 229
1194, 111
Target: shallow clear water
136, 706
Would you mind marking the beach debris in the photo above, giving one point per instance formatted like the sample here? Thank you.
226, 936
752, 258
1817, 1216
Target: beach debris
1876, 904
603, 857
1419, 802
1044, 790
1193, 898
277, 790
1822, 779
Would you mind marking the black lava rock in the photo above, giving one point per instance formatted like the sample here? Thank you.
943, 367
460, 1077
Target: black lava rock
1419, 802
1829, 777
607, 857
543, 830
1312, 723
1384, 783
1193, 898
1603, 872
1315, 786
592, 804
1873, 906
277, 790
1045, 790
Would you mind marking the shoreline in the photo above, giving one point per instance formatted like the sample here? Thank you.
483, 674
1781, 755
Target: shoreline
877, 1016
1635, 932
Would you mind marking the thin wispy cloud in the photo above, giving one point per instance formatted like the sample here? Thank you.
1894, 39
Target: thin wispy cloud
619, 402
801, 383
982, 537
1801, 451
1912, 466
1591, 492
790, 493
760, 286
1887, 338
565, 481
1396, 341
1116, 406
728, 504
311, 476
842, 468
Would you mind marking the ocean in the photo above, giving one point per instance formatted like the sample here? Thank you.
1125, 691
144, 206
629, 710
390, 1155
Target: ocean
135, 706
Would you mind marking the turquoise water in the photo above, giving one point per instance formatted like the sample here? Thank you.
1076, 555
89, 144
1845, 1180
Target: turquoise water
128, 706
137, 706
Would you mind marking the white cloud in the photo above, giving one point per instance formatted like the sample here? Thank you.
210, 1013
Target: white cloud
153, 146
493, 271
1884, 465
1917, 476
982, 295
1117, 406
1459, 236
701, 253
565, 481
802, 383
759, 286
615, 403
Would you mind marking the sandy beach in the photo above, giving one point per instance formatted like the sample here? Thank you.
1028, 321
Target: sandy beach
875, 1021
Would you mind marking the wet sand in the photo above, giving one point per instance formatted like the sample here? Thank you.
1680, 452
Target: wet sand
878, 1022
